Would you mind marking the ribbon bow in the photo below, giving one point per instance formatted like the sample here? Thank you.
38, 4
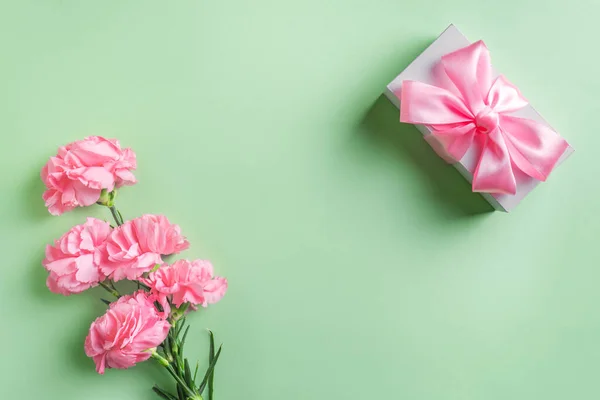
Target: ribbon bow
472, 110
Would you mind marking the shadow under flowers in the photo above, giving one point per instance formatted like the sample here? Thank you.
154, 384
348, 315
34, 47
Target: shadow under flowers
77, 327
447, 188
32, 204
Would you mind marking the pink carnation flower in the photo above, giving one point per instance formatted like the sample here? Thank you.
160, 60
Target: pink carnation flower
188, 282
73, 260
136, 246
78, 173
126, 335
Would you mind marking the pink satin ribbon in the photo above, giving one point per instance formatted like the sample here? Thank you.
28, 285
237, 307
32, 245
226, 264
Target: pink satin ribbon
473, 111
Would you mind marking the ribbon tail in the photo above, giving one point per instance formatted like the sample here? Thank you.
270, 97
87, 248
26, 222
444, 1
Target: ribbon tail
494, 173
534, 147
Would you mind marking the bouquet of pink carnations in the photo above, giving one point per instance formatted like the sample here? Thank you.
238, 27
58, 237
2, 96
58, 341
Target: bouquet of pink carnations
149, 323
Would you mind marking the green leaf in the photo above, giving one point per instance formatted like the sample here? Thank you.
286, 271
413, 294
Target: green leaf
211, 352
196, 371
209, 371
187, 329
167, 347
175, 327
105, 302
163, 394
179, 327
211, 357
181, 392
188, 373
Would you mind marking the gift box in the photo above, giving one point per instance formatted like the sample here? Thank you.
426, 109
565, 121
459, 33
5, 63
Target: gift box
477, 120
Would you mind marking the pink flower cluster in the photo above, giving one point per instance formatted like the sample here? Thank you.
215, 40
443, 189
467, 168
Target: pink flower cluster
76, 176
188, 282
136, 246
94, 252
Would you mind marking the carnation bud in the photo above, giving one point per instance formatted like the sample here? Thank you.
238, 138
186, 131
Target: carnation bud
163, 361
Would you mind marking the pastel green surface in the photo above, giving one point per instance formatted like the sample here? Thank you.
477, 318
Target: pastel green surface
360, 265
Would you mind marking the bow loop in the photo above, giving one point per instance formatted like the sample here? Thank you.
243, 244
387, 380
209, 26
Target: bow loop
431, 105
505, 97
470, 71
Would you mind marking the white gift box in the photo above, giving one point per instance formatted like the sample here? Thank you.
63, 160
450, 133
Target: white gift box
422, 69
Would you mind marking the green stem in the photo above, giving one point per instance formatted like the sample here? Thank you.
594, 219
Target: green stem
165, 363
112, 285
116, 215
111, 290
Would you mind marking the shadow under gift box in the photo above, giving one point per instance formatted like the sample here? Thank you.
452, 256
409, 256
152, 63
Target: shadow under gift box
424, 69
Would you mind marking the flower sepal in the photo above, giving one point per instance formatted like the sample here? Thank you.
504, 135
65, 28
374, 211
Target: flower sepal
107, 198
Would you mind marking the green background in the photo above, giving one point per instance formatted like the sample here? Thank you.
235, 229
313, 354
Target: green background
360, 265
